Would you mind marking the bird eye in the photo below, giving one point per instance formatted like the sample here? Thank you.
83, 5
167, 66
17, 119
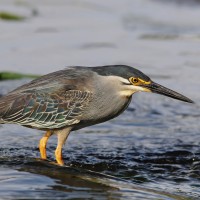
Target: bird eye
134, 80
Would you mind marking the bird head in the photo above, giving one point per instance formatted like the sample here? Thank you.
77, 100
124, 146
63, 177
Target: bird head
133, 80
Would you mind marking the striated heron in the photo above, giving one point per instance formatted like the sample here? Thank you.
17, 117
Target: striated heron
73, 98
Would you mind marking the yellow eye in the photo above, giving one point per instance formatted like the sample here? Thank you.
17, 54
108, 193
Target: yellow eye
134, 80
138, 81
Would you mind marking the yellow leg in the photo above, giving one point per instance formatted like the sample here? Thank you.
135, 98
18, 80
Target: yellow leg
62, 136
43, 144
58, 155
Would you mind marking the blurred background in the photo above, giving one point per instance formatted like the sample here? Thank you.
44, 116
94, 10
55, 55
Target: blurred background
149, 34
154, 147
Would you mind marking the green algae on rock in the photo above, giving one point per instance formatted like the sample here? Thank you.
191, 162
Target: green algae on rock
12, 75
11, 17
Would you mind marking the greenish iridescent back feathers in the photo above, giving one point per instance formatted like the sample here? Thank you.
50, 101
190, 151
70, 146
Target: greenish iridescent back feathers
51, 112
67, 79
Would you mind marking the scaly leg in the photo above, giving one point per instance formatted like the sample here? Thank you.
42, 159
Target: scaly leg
62, 136
43, 144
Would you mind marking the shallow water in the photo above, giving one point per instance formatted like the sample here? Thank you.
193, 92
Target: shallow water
152, 150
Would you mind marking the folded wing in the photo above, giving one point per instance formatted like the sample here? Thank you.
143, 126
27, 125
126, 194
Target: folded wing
44, 111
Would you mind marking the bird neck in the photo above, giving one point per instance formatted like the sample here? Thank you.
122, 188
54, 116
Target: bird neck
127, 90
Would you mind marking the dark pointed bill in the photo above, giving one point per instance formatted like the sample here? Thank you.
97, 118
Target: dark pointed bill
159, 89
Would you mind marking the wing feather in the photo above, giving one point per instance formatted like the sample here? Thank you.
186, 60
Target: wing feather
52, 101
42, 111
